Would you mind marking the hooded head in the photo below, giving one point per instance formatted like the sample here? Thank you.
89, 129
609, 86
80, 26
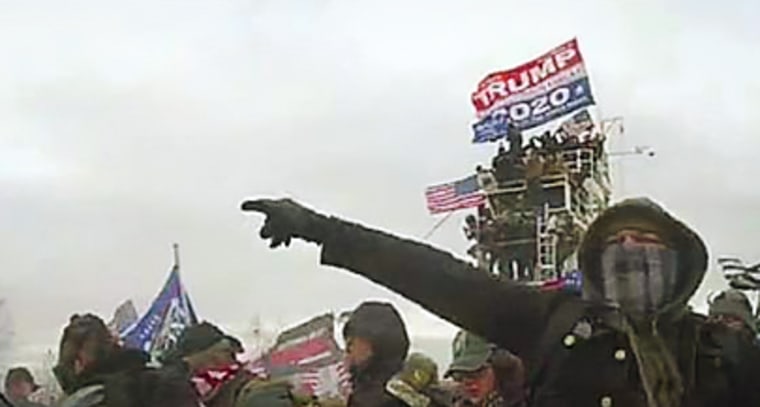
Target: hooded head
380, 326
638, 258
734, 309
19, 383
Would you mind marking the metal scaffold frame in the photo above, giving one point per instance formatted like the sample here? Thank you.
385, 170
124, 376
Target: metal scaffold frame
533, 220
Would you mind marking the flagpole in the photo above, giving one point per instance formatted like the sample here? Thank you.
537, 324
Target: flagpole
175, 249
437, 225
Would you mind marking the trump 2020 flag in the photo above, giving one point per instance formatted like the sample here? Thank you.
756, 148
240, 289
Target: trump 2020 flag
169, 315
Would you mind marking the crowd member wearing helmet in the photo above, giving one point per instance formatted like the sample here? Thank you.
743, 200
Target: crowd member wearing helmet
488, 376
93, 370
631, 339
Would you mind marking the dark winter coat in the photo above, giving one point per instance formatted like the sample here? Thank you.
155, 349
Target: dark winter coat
576, 354
381, 325
126, 381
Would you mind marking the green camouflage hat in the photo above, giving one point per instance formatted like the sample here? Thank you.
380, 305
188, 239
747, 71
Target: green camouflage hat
470, 353
419, 371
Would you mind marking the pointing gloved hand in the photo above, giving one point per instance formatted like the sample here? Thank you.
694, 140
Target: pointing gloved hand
286, 219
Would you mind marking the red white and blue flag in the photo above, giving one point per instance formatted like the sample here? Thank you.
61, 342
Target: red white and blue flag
532, 94
571, 282
308, 356
159, 329
452, 196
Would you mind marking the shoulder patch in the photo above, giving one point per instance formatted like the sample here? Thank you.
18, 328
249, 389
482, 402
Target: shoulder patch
583, 329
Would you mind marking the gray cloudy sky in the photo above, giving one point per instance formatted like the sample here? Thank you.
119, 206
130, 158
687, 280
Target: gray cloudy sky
128, 125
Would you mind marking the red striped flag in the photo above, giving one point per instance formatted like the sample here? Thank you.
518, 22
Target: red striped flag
326, 381
455, 195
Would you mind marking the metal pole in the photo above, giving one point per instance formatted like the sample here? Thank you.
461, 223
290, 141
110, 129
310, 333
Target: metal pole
175, 249
437, 225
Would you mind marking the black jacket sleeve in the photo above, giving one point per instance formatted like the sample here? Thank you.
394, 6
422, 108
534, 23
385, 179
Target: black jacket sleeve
507, 313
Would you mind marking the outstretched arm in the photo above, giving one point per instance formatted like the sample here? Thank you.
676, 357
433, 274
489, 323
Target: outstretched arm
509, 314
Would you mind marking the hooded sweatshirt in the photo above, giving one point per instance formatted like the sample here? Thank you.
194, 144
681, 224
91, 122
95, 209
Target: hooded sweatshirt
381, 325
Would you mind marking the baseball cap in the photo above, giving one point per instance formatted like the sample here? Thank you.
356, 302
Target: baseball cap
470, 353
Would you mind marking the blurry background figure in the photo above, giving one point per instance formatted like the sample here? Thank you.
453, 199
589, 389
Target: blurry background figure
488, 376
19, 385
732, 309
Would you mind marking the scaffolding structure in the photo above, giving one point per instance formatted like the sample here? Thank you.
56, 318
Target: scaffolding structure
539, 202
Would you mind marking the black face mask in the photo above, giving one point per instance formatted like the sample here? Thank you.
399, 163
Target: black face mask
638, 277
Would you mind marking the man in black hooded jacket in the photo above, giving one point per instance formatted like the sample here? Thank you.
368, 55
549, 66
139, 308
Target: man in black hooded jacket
630, 341
376, 347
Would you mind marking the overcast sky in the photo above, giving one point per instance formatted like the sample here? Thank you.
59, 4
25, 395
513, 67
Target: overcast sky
128, 125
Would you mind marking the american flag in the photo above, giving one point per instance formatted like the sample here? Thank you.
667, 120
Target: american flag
326, 381
461, 194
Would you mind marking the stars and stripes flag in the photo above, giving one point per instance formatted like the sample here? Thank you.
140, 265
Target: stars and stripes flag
452, 196
327, 381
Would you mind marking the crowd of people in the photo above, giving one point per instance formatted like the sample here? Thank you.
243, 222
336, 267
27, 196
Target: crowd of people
203, 369
543, 153
630, 340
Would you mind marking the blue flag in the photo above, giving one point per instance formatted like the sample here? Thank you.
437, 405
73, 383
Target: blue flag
574, 281
169, 315
492, 128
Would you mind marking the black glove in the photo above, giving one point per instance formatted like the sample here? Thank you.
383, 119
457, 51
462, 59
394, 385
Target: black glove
287, 219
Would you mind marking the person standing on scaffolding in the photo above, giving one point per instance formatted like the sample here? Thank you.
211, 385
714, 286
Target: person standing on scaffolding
502, 164
515, 139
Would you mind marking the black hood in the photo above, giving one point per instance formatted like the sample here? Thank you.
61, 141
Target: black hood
692, 253
382, 326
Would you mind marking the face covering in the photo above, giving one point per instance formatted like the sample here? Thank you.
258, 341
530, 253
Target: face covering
638, 277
